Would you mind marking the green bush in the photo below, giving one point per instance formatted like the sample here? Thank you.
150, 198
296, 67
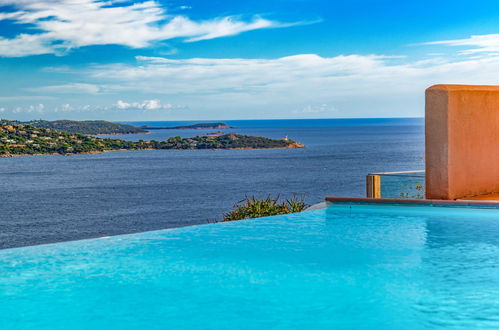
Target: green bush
252, 207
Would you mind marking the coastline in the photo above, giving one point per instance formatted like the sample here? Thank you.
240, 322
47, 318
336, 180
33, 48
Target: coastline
25, 140
294, 145
71, 154
119, 133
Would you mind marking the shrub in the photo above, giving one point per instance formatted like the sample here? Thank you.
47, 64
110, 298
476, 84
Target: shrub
252, 207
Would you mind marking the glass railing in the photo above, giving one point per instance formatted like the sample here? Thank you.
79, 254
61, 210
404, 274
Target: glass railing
406, 185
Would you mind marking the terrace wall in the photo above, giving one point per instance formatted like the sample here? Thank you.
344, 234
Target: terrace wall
462, 141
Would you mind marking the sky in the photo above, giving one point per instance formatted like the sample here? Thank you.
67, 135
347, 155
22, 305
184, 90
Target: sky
226, 59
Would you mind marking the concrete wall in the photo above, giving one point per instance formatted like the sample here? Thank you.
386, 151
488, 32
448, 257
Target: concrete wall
462, 141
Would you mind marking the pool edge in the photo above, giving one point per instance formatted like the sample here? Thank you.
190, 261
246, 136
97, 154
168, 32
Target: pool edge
412, 202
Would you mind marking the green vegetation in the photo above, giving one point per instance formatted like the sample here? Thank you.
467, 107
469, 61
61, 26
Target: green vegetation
252, 207
91, 127
195, 126
30, 140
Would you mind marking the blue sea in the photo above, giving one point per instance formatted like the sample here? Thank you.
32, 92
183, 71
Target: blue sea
58, 198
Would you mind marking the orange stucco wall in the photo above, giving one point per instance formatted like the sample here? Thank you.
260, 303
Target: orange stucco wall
462, 141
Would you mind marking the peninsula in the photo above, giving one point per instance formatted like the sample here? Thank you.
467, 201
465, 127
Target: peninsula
20, 140
91, 127
195, 126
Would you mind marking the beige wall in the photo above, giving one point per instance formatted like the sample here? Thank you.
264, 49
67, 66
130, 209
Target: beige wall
462, 141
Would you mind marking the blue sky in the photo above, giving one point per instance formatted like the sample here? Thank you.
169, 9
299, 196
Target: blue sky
203, 60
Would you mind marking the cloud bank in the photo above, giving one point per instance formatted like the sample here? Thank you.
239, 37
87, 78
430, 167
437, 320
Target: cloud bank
118, 107
353, 85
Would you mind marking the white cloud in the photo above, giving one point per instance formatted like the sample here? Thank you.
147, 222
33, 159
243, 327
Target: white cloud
144, 105
487, 43
323, 108
225, 26
71, 24
119, 106
204, 75
65, 108
300, 76
26, 44
36, 108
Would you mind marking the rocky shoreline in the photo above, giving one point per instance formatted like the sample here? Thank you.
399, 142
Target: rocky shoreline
293, 146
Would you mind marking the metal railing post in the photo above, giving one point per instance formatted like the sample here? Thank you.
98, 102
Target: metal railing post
373, 186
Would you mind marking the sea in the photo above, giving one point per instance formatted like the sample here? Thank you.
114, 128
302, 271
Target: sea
46, 199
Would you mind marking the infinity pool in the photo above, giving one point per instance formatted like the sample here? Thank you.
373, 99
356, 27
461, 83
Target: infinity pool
360, 267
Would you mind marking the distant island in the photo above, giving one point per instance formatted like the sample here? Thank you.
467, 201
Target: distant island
20, 140
195, 126
101, 127
92, 127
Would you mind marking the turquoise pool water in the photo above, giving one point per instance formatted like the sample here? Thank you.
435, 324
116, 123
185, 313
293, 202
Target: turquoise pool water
365, 267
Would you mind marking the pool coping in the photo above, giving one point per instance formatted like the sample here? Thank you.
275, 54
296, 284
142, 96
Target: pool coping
412, 202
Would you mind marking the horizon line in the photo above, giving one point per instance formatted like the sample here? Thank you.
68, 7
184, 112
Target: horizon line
211, 120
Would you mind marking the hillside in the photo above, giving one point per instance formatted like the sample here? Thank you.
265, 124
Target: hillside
195, 126
16, 140
92, 127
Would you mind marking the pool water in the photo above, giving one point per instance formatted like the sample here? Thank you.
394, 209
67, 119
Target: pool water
345, 267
